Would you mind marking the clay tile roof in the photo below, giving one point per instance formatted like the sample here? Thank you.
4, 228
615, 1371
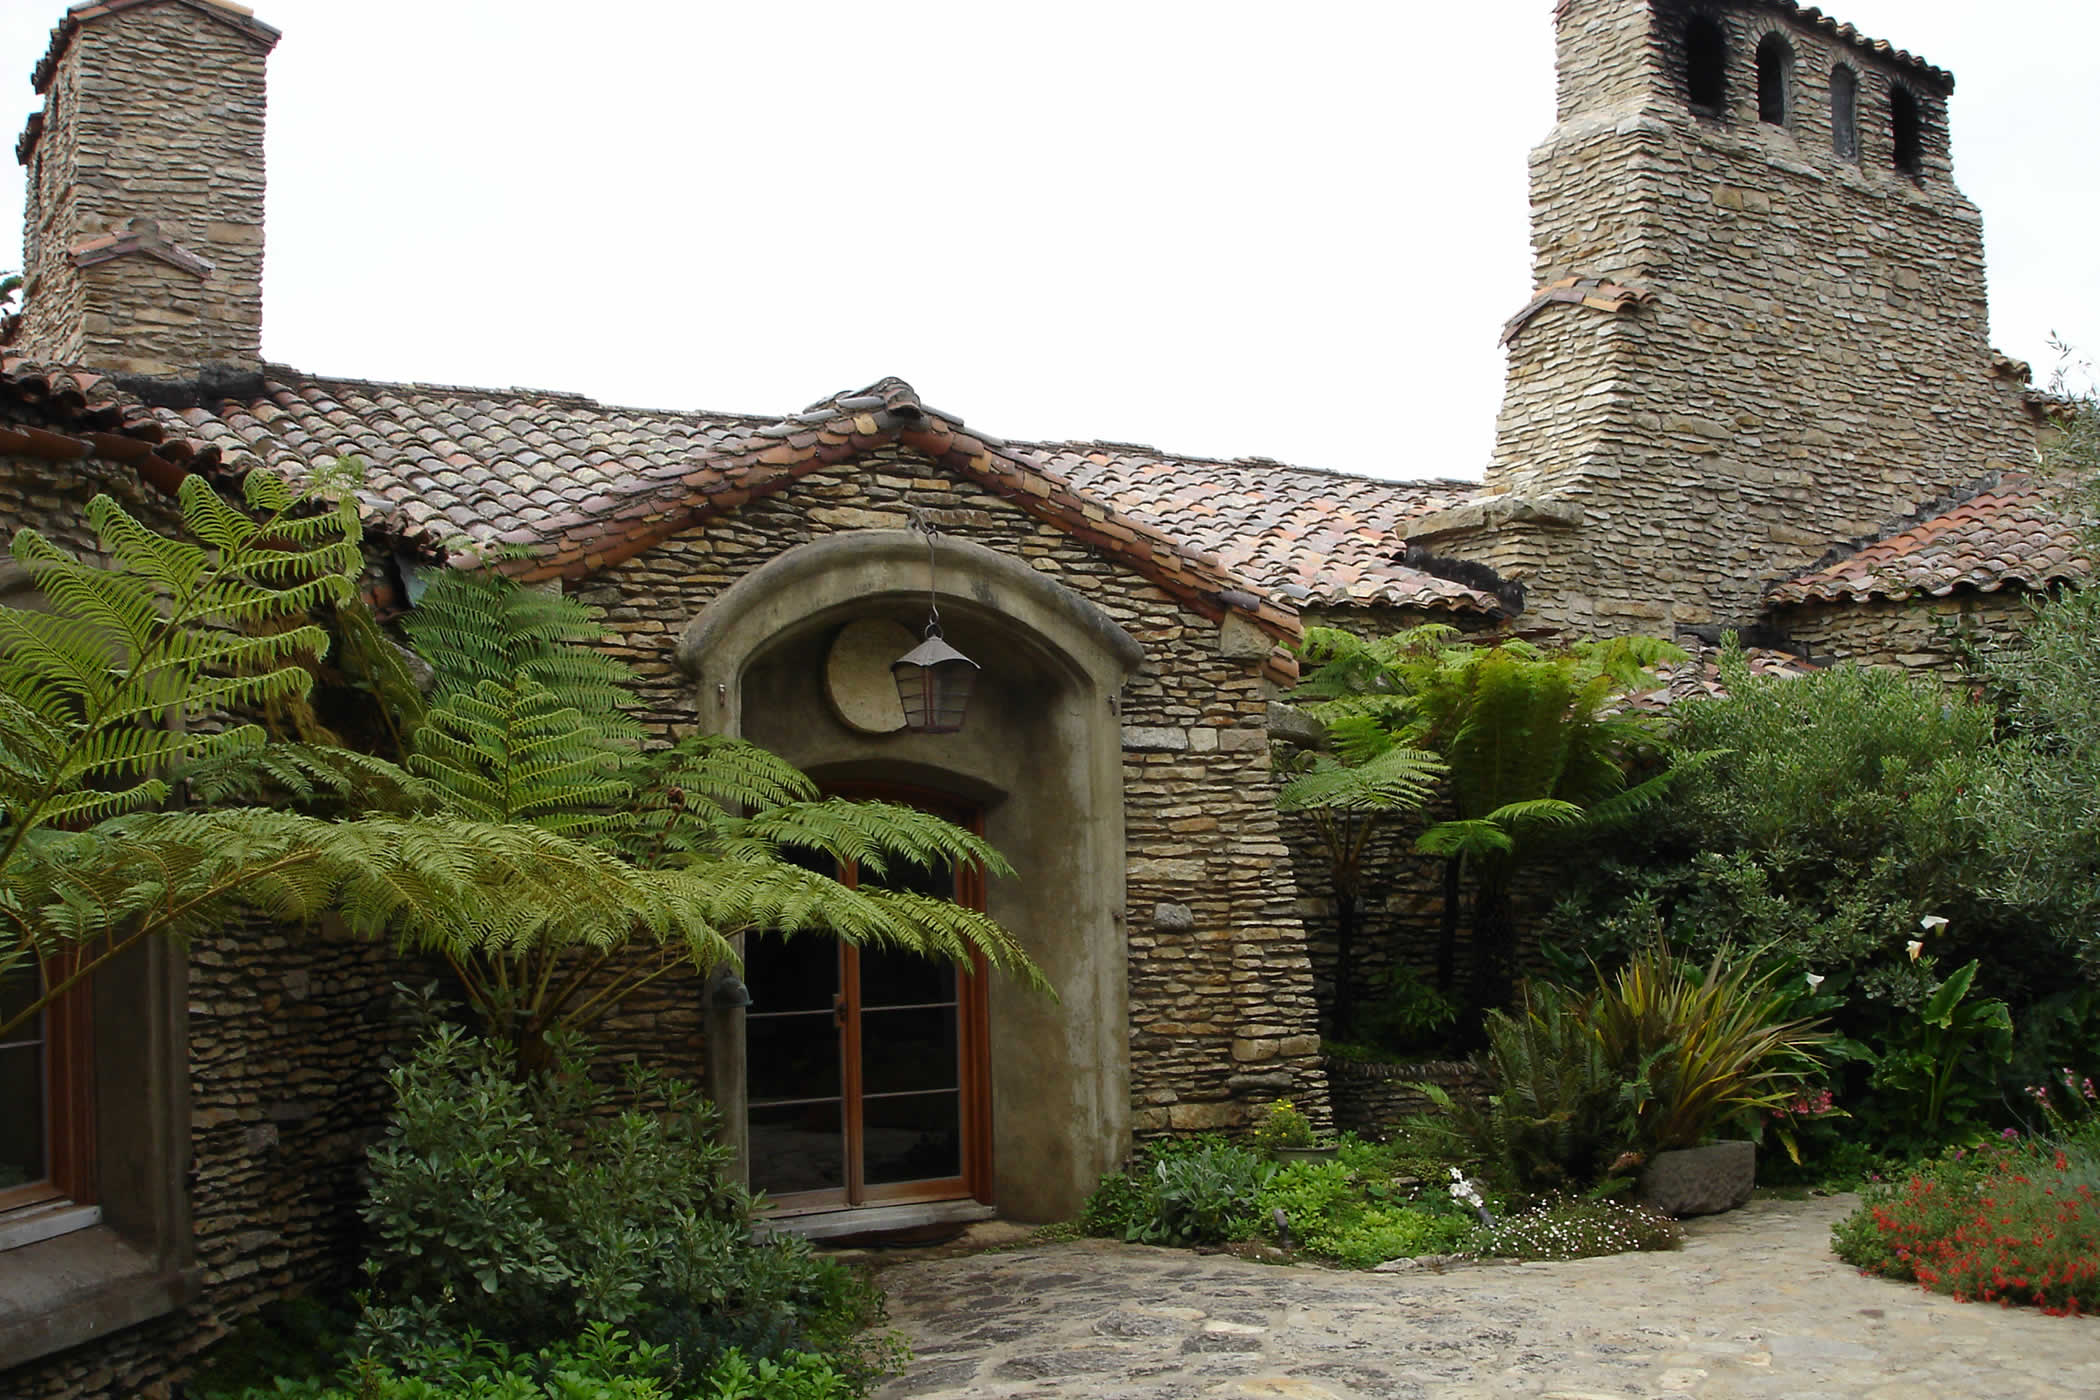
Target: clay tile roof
2012, 533
569, 486
1810, 17
1321, 537
1700, 677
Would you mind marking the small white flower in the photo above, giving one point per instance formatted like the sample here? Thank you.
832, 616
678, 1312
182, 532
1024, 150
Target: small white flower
1915, 948
1932, 923
1815, 980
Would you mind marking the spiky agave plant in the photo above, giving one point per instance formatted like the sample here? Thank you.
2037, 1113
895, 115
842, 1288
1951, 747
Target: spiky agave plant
1698, 1050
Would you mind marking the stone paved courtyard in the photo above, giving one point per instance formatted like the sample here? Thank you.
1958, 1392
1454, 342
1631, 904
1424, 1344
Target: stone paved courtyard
1754, 1305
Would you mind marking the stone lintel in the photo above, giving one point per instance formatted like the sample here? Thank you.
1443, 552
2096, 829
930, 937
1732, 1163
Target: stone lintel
1493, 512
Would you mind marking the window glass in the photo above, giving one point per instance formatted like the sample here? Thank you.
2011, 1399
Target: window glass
1844, 112
22, 1106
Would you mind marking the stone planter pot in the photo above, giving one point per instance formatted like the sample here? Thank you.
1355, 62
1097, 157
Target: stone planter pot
1700, 1180
1304, 1154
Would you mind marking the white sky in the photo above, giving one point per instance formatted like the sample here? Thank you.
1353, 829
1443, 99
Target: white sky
1220, 228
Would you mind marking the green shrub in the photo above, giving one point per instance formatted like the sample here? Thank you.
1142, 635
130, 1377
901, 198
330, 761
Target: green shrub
1405, 1015
1204, 1197
1576, 1229
602, 1364
1282, 1125
520, 1207
2017, 1221
1123, 1201
1553, 1120
1341, 1211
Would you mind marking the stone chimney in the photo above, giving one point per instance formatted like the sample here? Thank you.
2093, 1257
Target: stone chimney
143, 244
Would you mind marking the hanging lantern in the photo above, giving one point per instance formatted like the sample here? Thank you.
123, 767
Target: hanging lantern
933, 678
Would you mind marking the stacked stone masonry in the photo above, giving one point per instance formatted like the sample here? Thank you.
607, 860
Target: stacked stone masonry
1813, 363
1930, 636
1222, 1013
177, 137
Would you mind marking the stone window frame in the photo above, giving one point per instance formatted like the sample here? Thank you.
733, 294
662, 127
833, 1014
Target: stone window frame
1844, 112
1777, 88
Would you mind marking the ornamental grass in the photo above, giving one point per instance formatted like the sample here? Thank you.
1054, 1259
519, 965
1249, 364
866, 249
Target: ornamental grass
2017, 1222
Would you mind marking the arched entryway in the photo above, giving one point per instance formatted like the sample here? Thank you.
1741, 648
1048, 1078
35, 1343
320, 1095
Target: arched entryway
1039, 763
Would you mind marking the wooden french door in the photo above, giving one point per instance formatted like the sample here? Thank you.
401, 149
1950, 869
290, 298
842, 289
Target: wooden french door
867, 1068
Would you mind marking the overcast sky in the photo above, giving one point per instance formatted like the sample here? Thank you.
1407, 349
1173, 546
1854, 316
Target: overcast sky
1290, 230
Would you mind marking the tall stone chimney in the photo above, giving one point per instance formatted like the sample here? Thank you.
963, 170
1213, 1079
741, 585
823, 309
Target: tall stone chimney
143, 244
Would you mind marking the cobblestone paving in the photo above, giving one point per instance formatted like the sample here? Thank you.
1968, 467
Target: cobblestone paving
1754, 1305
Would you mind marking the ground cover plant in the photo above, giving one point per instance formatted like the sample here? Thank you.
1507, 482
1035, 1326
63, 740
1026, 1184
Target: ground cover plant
1373, 1202
2012, 1221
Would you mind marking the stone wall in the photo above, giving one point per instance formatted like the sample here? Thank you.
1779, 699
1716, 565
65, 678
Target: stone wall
288, 1035
287, 1032
1925, 635
1223, 1017
1372, 1099
155, 113
1813, 360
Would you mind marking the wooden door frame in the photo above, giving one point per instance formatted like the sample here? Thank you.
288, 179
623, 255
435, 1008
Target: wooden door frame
973, 1027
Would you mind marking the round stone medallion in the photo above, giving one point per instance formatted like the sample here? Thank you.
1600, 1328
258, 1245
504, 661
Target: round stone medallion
857, 677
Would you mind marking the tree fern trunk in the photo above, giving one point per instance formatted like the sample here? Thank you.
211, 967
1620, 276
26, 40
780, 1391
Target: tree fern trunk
1447, 931
1344, 963
1494, 943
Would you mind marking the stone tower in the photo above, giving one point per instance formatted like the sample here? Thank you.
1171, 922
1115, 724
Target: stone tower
1760, 325
144, 232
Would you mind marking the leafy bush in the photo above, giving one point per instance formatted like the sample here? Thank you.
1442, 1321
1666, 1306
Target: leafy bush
1356, 1216
2014, 1222
1204, 1197
1553, 1121
1576, 1229
1122, 1202
1849, 805
523, 1207
1405, 1014
602, 1364
1282, 1125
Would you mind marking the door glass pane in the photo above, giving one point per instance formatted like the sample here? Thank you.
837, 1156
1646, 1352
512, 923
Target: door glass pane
797, 1147
912, 1137
791, 974
890, 978
903, 1051
792, 1057
910, 875
21, 1085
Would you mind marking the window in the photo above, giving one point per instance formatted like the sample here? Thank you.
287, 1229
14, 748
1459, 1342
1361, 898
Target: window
1775, 79
95, 1223
1844, 113
47, 1157
1706, 64
1907, 125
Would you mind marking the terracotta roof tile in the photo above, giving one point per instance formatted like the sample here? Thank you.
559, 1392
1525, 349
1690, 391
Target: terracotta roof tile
1700, 677
2013, 533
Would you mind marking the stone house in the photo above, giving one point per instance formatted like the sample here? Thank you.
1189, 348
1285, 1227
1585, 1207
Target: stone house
1756, 275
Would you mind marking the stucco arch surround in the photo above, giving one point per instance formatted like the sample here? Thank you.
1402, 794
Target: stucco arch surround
1041, 753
